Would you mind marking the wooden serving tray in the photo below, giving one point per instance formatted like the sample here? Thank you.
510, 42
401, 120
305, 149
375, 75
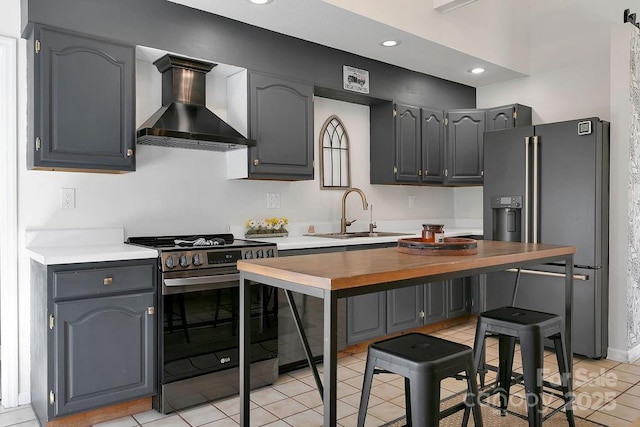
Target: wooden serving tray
450, 246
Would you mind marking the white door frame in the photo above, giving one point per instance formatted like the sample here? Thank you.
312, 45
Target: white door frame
8, 223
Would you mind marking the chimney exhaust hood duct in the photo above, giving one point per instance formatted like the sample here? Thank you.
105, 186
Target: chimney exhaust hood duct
184, 121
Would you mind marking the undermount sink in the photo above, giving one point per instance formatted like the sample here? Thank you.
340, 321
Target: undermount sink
349, 235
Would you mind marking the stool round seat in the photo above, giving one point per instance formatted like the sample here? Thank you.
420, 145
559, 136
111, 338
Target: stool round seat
531, 328
423, 361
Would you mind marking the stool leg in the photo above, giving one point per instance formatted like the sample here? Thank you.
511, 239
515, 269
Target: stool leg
531, 348
473, 398
366, 389
407, 400
506, 350
425, 400
565, 380
479, 351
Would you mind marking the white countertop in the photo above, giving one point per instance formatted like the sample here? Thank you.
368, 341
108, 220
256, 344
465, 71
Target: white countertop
71, 246
308, 242
89, 253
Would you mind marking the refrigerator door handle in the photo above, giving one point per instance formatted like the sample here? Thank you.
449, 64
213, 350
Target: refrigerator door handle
535, 238
580, 277
526, 189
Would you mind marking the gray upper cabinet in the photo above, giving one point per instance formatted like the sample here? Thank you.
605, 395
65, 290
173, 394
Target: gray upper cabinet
93, 335
465, 134
507, 116
82, 103
444, 148
408, 143
433, 145
281, 122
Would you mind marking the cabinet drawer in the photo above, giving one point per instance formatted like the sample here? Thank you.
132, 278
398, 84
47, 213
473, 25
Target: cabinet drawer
103, 279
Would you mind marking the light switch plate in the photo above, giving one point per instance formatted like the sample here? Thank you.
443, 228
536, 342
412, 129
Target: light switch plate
67, 198
273, 200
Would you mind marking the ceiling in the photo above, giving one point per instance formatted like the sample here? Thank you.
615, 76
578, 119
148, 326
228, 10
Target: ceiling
524, 25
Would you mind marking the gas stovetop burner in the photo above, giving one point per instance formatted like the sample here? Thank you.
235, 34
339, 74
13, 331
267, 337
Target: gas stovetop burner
223, 241
201, 241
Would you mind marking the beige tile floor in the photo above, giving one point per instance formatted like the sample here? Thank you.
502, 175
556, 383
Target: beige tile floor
606, 392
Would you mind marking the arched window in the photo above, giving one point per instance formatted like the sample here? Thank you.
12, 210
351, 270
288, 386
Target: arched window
334, 154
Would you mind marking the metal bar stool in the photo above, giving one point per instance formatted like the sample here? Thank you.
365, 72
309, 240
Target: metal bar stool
531, 328
423, 361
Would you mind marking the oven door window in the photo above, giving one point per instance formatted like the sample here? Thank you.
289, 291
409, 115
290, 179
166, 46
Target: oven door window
200, 330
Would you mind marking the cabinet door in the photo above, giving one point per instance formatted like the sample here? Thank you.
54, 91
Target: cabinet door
408, 143
405, 309
458, 297
508, 116
500, 117
464, 146
103, 351
435, 301
366, 317
432, 145
83, 104
281, 122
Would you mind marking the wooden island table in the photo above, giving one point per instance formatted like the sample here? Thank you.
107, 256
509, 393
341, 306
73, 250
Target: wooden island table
344, 274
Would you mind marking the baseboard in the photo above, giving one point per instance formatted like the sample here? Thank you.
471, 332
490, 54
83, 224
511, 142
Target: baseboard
95, 416
24, 398
624, 356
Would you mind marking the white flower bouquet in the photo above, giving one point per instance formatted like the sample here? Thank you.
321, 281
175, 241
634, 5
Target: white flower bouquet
267, 227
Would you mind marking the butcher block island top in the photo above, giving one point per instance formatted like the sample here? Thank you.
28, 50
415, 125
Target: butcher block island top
353, 269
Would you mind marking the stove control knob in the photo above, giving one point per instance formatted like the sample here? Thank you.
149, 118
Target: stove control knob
270, 253
248, 255
259, 253
196, 260
170, 262
184, 261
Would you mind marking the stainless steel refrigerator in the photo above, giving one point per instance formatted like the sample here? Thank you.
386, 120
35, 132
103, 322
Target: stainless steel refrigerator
550, 184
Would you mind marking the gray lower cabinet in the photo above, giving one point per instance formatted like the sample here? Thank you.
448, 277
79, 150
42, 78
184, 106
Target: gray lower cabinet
93, 335
281, 122
81, 103
419, 305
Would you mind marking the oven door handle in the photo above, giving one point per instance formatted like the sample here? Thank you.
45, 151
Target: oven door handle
203, 280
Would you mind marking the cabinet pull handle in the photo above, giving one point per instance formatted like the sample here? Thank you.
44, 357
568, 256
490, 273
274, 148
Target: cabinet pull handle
108, 281
129, 152
151, 310
38, 143
256, 162
419, 172
421, 314
52, 397
52, 321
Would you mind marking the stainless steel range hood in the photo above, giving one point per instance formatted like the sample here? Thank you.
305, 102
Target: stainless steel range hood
184, 121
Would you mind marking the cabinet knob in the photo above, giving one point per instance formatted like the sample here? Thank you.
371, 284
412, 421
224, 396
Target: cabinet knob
256, 162
151, 310
129, 152
107, 281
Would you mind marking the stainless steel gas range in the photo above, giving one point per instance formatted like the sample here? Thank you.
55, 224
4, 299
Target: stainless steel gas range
198, 332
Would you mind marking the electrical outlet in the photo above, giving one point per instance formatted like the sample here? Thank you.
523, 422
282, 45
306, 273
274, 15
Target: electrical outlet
412, 201
67, 198
273, 200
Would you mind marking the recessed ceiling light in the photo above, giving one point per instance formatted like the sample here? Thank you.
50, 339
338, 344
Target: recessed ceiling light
477, 70
390, 43
260, 1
